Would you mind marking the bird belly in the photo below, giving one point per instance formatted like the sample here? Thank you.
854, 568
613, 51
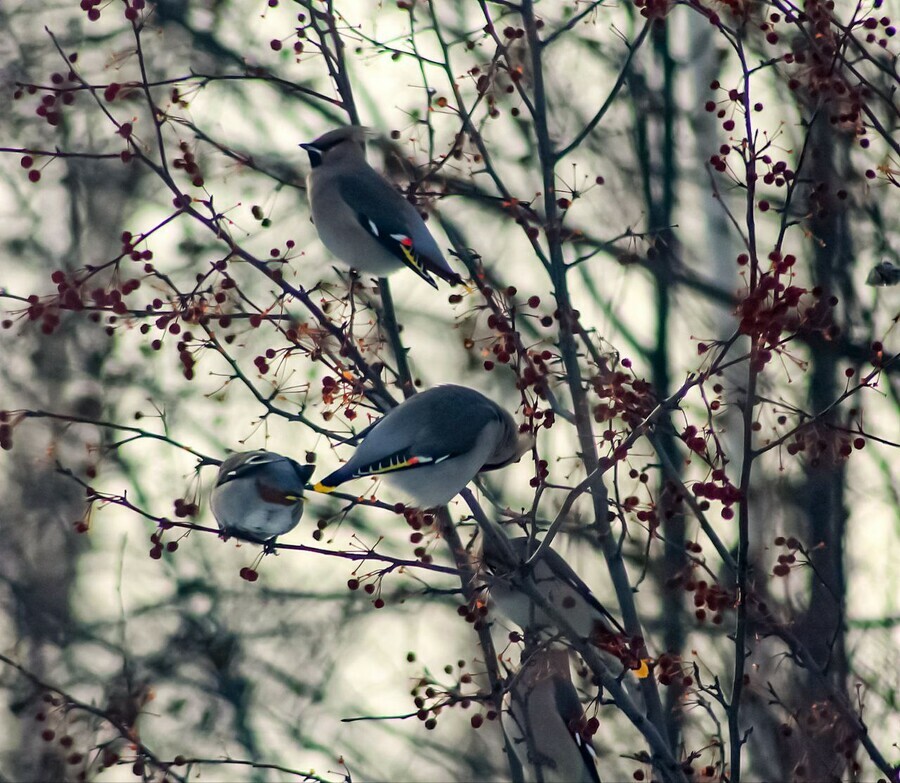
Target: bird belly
572, 606
240, 513
519, 609
515, 606
266, 523
432, 485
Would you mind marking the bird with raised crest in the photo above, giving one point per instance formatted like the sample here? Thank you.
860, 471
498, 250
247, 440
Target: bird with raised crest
361, 218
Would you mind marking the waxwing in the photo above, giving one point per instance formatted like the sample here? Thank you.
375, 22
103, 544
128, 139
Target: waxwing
361, 218
433, 444
544, 721
556, 581
258, 495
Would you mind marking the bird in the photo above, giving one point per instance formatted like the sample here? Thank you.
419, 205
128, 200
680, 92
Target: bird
361, 218
433, 444
258, 495
544, 721
558, 584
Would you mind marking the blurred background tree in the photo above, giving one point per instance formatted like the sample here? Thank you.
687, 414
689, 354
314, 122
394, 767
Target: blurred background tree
667, 213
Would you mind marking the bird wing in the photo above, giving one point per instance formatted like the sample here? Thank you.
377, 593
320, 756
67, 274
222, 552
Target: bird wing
564, 572
285, 491
407, 458
442, 422
247, 467
557, 568
572, 713
404, 459
418, 453
394, 223
429, 428
400, 460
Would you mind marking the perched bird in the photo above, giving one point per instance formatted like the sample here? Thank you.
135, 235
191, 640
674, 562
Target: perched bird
432, 445
258, 495
558, 584
360, 216
544, 722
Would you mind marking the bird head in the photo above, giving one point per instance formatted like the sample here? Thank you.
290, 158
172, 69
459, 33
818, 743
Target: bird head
339, 143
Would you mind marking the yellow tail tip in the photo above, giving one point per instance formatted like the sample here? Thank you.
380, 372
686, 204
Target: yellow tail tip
642, 671
324, 489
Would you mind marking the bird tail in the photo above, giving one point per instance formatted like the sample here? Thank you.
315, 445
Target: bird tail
423, 263
445, 274
333, 480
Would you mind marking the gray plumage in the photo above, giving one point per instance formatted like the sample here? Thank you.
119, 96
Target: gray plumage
433, 444
359, 215
556, 581
259, 495
544, 721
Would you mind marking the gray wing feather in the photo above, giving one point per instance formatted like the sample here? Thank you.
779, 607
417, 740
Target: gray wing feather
374, 197
566, 698
569, 707
557, 564
442, 421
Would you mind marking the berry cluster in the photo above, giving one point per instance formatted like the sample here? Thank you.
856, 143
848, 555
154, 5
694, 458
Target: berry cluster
718, 488
62, 91
624, 396
431, 697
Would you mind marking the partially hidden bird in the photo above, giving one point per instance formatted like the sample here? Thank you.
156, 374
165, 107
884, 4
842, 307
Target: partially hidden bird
433, 444
361, 218
258, 495
555, 580
544, 721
